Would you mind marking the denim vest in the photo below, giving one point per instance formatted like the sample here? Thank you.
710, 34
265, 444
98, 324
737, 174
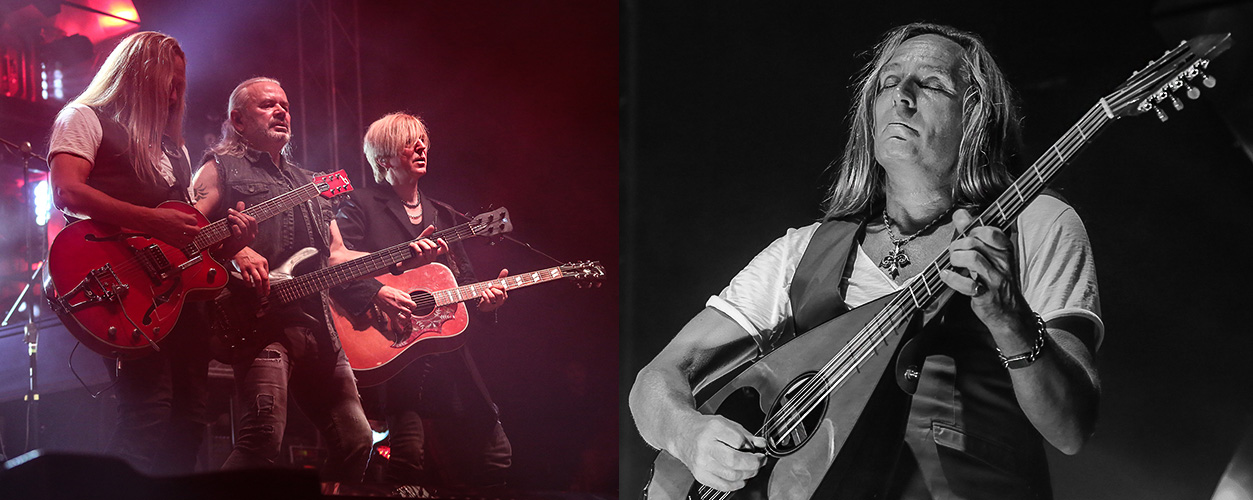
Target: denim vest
964, 426
253, 178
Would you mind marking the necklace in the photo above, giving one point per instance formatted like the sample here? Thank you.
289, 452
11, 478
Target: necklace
417, 204
896, 258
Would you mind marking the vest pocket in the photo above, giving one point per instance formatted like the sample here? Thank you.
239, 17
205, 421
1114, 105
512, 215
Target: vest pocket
993, 454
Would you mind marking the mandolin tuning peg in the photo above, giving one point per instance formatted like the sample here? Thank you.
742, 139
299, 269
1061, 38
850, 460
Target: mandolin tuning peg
1209, 81
1192, 92
1174, 101
1161, 115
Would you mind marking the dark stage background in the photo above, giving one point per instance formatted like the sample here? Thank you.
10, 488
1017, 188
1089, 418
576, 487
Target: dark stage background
520, 101
733, 110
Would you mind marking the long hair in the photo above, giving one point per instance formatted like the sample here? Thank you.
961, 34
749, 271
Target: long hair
231, 143
990, 128
390, 134
133, 87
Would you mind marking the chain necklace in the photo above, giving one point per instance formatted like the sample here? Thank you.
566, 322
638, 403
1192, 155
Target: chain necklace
896, 258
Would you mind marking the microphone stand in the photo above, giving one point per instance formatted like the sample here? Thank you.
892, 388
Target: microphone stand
31, 333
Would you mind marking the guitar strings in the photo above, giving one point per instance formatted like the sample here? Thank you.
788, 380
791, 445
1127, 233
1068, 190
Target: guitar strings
998, 215
861, 347
318, 280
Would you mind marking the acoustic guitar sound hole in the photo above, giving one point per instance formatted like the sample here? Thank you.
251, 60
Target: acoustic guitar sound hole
425, 302
795, 402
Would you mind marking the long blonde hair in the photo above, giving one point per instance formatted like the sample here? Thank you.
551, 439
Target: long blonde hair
133, 86
990, 128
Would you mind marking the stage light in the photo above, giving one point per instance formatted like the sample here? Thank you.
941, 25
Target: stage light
125, 10
43, 203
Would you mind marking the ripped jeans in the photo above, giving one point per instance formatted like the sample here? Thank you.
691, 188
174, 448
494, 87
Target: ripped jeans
322, 384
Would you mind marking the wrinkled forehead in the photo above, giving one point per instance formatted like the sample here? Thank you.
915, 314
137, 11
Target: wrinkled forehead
265, 90
929, 52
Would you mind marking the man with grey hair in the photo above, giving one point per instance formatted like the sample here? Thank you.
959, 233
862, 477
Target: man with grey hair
302, 354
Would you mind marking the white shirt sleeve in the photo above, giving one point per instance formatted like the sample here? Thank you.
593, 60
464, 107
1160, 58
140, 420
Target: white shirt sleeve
1056, 268
757, 298
76, 131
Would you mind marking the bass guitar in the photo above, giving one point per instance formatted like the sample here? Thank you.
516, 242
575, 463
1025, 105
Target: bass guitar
379, 347
239, 311
805, 402
120, 291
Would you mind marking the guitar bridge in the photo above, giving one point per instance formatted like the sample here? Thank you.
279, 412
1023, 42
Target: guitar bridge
100, 285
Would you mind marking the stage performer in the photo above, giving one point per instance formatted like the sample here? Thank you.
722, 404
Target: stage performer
444, 428
252, 163
1010, 361
117, 152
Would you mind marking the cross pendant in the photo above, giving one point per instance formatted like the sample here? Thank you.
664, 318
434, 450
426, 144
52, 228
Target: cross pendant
894, 260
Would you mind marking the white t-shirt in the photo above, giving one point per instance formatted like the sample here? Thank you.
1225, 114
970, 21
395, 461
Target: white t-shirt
77, 131
1057, 275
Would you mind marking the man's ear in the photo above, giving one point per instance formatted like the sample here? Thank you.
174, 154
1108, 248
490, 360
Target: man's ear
237, 121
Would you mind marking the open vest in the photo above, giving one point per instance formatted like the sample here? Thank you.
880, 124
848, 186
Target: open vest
253, 178
964, 427
113, 171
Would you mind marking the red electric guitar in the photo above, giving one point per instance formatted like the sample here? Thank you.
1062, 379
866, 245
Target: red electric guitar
379, 347
120, 291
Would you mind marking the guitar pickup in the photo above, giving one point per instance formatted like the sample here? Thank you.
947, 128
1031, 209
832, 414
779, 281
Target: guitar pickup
154, 262
100, 285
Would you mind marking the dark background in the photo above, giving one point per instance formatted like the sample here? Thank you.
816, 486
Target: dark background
520, 101
733, 110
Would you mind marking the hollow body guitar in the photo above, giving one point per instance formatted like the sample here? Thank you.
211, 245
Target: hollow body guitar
378, 347
120, 291
807, 396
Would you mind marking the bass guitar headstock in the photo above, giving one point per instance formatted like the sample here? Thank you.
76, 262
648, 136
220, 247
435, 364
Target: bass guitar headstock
587, 273
332, 184
491, 223
1178, 69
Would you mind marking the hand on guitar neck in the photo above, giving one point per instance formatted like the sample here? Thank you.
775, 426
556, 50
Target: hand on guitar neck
424, 249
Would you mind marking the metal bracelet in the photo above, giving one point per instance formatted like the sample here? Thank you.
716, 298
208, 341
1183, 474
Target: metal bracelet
1025, 359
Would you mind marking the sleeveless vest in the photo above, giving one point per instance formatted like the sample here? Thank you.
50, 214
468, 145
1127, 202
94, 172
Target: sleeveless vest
113, 172
964, 427
254, 178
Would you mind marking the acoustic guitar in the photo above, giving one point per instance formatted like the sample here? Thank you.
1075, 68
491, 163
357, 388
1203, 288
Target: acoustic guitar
378, 347
237, 323
805, 397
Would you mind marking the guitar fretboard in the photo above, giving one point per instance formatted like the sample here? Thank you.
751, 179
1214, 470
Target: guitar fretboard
220, 230
327, 277
475, 290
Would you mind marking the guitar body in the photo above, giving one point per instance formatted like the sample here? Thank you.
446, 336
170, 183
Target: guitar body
120, 292
799, 463
378, 348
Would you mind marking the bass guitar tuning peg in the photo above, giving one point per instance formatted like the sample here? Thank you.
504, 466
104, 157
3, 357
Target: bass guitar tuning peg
1161, 115
1192, 92
1209, 81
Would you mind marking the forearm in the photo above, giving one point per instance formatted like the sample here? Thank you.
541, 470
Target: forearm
662, 405
1059, 392
83, 201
